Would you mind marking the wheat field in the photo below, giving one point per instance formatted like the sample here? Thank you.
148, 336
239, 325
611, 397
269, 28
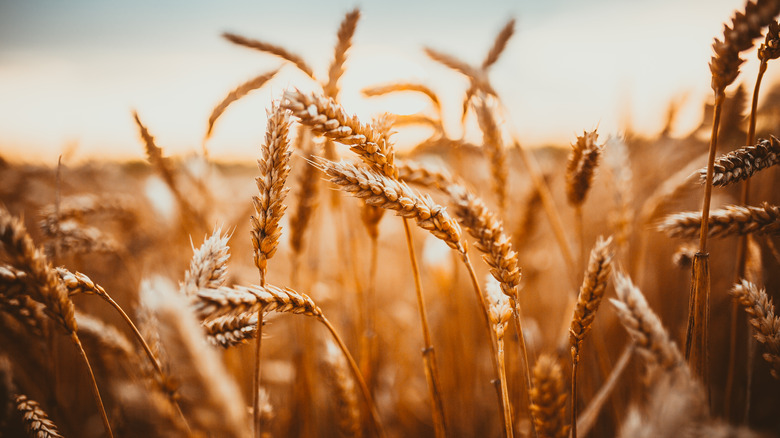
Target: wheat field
619, 286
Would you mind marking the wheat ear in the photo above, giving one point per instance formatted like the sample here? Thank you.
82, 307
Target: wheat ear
208, 266
548, 399
236, 94
336, 70
728, 221
326, 117
36, 422
499, 44
591, 292
494, 149
381, 191
652, 340
15, 300
741, 164
275, 50
766, 325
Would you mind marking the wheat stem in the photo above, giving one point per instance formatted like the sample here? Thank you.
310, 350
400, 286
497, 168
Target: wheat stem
429, 354
504, 390
74, 337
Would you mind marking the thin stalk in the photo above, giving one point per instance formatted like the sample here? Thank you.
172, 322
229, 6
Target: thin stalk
367, 335
742, 253
256, 421
149, 354
358, 377
518, 316
494, 349
549, 208
588, 417
574, 398
696, 344
581, 237
705, 212
75, 338
429, 354
256, 383
504, 390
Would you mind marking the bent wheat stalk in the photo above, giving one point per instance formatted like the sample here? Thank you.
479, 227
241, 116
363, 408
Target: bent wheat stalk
48, 289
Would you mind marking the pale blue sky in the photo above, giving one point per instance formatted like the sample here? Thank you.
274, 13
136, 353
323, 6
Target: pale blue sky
71, 72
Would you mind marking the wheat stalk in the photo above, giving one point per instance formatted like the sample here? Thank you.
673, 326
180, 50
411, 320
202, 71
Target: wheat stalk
394, 87
766, 325
499, 313
728, 221
270, 48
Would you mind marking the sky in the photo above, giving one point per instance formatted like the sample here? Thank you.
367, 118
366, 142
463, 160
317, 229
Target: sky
71, 73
